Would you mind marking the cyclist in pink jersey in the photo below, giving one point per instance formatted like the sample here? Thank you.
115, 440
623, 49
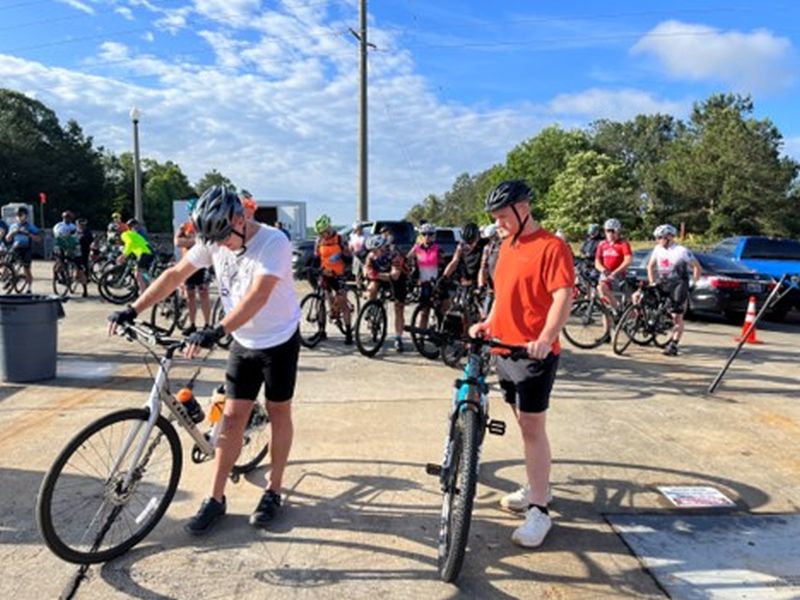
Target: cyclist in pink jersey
426, 255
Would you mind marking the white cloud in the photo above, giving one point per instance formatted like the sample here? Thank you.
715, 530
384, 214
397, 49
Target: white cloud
148, 36
81, 6
125, 12
749, 62
236, 13
597, 103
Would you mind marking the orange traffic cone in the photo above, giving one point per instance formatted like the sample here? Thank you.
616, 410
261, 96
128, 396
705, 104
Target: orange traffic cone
749, 320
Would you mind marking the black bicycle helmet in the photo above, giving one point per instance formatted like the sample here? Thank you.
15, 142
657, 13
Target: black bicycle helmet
213, 215
470, 232
508, 193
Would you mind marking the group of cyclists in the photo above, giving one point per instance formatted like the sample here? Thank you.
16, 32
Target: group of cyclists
671, 268
378, 263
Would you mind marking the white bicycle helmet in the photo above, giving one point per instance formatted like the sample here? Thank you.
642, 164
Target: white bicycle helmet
613, 224
427, 229
664, 230
374, 242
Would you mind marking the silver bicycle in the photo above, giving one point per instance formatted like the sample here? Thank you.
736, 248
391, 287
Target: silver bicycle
112, 483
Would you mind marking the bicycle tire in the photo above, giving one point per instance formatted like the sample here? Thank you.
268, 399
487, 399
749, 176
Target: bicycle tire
424, 345
18, 280
312, 319
625, 332
164, 315
152, 512
371, 327
62, 285
582, 316
459, 495
256, 441
662, 329
118, 286
217, 314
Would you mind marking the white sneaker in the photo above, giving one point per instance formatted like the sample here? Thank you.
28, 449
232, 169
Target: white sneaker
532, 532
520, 500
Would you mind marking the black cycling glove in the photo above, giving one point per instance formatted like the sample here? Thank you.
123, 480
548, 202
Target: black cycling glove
206, 338
123, 317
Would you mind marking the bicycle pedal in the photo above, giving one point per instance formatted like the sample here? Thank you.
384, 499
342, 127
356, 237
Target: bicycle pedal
432, 469
496, 427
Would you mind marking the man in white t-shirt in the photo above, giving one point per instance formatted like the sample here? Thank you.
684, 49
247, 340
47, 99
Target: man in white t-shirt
252, 263
668, 267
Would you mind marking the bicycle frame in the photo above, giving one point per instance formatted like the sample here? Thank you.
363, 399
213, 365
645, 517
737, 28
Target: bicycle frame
158, 394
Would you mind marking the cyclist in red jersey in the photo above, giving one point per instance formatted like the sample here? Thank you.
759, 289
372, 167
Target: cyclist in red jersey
612, 258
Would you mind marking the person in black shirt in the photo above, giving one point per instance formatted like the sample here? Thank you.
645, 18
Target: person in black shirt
466, 262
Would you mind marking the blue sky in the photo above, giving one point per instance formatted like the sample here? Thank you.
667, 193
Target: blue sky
266, 91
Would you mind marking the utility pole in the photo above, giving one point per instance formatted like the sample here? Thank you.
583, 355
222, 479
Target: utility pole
363, 204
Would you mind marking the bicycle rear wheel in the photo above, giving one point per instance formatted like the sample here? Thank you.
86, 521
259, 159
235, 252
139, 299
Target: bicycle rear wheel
217, 314
425, 345
312, 319
83, 512
459, 493
662, 328
164, 315
371, 328
255, 444
589, 324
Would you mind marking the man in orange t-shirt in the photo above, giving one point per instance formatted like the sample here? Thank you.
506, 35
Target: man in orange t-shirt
533, 296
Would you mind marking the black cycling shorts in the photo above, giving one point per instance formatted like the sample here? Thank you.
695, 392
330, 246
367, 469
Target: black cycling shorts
197, 279
527, 383
400, 289
144, 261
24, 255
677, 290
275, 367
332, 282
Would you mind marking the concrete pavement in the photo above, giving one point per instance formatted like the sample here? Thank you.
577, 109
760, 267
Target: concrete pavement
361, 515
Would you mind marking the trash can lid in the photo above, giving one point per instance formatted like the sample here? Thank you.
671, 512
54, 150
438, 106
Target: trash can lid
15, 299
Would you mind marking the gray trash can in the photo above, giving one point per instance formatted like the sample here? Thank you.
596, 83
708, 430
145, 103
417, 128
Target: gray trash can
29, 337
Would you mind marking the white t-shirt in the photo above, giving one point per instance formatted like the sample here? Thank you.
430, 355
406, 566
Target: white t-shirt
269, 252
672, 262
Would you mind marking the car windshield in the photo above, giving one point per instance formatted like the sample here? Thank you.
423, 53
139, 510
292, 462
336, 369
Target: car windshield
715, 264
445, 235
402, 232
772, 249
640, 258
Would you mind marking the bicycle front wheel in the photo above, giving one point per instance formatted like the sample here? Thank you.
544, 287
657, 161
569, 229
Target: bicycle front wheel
62, 280
631, 328
459, 494
312, 319
255, 443
589, 324
164, 315
371, 328
118, 285
85, 511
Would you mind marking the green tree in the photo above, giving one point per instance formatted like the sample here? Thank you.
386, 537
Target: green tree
38, 155
164, 183
593, 187
728, 173
213, 177
540, 159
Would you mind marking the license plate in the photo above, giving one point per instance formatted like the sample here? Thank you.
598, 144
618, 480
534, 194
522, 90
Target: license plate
754, 288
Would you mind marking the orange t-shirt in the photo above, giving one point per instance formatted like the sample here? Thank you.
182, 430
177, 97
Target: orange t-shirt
525, 278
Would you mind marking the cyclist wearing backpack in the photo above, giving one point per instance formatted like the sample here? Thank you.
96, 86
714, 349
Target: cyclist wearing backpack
253, 267
533, 296
331, 250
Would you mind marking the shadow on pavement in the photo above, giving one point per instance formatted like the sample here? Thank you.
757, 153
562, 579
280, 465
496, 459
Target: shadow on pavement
305, 549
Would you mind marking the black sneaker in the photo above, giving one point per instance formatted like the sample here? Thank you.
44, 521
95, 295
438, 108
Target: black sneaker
189, 330
266, 510
209, 513
398, 345
348, 338
671, 349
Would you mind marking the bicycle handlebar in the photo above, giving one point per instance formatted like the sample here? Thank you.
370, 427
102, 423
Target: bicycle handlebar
142, 331
515, 352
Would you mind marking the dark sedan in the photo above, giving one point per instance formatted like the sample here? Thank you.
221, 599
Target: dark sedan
724, 287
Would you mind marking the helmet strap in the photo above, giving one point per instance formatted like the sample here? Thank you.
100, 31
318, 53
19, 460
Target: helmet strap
242, 235
522, 223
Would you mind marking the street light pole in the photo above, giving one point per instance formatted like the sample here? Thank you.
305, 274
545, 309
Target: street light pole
137, 170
